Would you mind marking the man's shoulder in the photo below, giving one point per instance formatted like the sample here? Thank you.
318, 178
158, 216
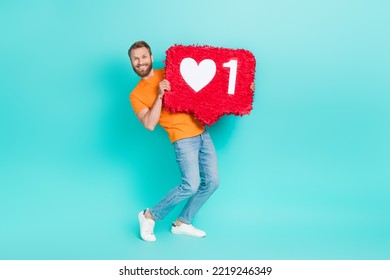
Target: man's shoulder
135, 90
159, 74
160, 71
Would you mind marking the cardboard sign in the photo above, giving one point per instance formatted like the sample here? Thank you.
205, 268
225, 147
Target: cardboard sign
209, 82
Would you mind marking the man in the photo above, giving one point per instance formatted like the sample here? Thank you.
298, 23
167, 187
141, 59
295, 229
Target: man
194, 149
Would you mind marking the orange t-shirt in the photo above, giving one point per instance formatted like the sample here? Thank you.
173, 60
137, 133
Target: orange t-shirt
177, 125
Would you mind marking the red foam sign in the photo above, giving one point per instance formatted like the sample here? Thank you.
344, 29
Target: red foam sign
209, 82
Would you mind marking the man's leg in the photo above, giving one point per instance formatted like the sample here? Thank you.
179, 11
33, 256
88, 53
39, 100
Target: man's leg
187, 157
208, 168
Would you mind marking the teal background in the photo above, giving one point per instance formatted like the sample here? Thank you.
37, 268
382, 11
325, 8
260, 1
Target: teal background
304, 176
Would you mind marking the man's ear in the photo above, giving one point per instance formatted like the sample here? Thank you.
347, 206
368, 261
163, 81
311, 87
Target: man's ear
152, 58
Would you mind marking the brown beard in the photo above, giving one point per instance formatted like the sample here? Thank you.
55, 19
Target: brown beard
143, 74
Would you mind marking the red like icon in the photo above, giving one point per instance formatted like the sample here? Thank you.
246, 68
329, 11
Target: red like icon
209, 82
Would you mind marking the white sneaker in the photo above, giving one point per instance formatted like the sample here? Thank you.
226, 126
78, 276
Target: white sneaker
187, 230
146, 227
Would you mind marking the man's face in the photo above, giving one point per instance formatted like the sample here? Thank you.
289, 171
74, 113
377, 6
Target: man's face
141, 61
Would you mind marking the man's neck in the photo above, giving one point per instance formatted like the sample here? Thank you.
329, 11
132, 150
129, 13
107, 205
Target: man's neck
151, 74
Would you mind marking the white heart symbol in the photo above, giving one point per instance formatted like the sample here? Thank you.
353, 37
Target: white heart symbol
197, 76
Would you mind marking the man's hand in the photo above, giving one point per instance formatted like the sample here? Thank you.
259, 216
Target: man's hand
162, 87
253, 86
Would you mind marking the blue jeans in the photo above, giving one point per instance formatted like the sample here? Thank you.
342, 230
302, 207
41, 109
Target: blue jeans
197, 161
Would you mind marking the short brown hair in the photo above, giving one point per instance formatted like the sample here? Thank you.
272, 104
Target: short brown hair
139, 44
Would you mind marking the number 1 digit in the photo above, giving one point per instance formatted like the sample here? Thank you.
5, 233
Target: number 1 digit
232, 64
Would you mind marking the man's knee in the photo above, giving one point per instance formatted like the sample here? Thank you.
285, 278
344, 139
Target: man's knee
213, 183
190, 187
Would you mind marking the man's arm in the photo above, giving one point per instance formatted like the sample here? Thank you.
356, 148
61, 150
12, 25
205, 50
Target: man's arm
149, 117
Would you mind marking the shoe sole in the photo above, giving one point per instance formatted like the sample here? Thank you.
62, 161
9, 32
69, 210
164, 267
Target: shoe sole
188, 234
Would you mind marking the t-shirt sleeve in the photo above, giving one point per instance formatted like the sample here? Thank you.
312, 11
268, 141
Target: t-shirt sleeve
137, 104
